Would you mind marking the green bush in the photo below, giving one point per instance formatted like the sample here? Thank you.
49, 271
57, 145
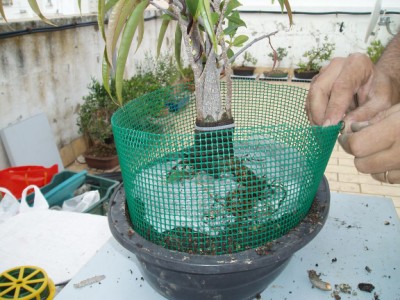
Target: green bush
375, 50
94, 119
316, 56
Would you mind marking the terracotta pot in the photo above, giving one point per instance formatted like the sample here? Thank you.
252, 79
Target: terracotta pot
102, 163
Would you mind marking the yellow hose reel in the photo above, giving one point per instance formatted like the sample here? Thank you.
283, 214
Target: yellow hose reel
26, 283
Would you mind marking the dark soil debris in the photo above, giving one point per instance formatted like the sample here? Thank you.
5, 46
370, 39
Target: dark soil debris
366, 287
368, 269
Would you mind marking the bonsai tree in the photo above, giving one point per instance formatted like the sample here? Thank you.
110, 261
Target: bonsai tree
247, 67
315, 56
277, 56
208, 30
374, 50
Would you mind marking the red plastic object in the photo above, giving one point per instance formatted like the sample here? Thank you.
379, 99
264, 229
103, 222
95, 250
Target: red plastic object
16, 179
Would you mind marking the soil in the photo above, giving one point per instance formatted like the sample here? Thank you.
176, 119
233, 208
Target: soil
102, 150
276, 73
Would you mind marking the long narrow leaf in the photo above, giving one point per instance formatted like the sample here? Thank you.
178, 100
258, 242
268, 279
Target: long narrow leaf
106, 73
161, 35
35, 7
80, 6
2, 11
178, 47
140, 32
100, 17
109, 5
116, 23
286, 4
126, 41
205, 13
289, 12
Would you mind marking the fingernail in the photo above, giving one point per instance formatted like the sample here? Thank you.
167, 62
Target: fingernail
326, 123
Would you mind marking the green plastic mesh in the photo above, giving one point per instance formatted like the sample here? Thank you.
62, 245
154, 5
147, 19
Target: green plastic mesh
226, 191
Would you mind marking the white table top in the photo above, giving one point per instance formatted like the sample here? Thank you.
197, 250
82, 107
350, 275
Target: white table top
360, 232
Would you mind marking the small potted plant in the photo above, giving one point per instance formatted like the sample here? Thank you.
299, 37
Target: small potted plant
374, 50
315, 57
277, 56
94, 122
247, 67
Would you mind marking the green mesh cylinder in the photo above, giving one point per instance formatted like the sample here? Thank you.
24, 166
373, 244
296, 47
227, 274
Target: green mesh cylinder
225, 191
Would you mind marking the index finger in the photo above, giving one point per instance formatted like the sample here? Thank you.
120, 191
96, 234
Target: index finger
320, 89
356, 72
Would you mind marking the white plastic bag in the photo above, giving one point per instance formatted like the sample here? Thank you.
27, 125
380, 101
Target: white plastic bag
39, 202
9, 205
82, 202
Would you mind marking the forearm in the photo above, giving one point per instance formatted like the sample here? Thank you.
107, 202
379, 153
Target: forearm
389, 65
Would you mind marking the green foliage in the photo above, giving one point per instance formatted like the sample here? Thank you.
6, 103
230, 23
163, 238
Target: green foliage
279, 55
95, 113
316, 56
375, 50
249, 59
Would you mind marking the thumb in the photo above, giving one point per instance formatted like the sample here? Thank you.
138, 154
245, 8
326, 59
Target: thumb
365, 112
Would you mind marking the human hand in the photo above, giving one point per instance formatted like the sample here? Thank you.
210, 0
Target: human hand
351, 89
376, 145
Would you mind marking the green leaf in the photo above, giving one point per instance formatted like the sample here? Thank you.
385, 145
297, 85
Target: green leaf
116, 23
214, 18
235, 19
230, 53
100, 17
178, 47
2, 11
193, 6
126, 41
106, 73
161, 35
231, 6
110, 4
239, 40
205, 13
286, 4
140, 32
231, 30
35, 7
80, 6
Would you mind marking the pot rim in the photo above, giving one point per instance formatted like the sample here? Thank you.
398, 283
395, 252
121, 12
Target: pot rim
282, 248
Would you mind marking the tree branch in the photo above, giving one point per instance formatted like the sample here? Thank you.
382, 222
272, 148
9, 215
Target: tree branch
165, 11
244, 48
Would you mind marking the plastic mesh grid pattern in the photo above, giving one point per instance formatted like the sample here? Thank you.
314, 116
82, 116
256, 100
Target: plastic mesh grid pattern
225, 191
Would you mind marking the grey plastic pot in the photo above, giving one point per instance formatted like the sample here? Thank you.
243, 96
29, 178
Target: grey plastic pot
182, 276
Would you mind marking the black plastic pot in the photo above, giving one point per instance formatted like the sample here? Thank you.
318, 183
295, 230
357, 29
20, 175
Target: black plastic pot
305, 74
177, 275
243, 71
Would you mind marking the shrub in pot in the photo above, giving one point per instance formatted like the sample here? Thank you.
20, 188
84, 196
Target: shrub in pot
94, 117
277, 56
247, 67
315, 56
